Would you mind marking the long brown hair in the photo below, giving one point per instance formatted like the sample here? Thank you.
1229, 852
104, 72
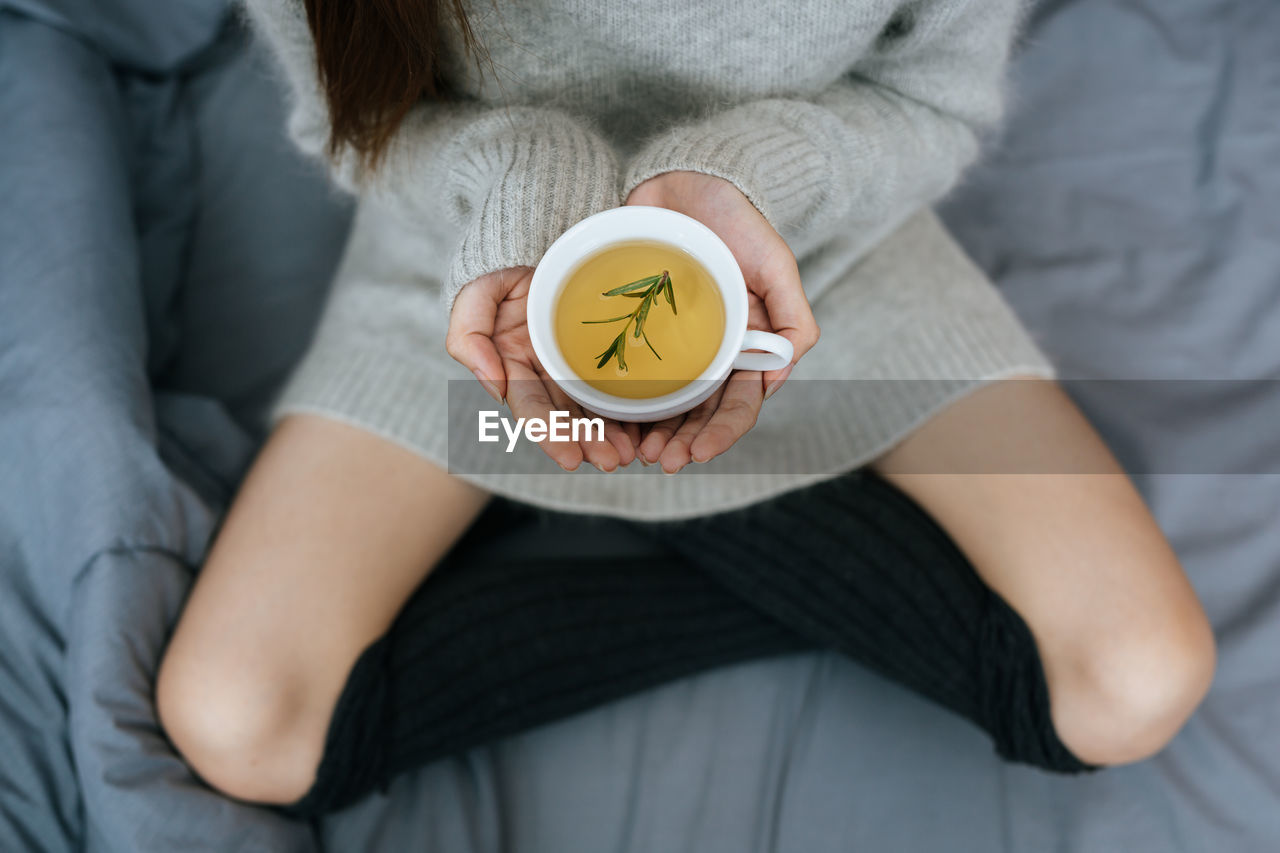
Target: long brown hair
376, 59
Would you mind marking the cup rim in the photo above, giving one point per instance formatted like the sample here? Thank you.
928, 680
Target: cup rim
625, 225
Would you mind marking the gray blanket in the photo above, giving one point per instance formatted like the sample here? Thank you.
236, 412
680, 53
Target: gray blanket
163, 253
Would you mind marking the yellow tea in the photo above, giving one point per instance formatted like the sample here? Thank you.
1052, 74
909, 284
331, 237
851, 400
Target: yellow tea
639, 319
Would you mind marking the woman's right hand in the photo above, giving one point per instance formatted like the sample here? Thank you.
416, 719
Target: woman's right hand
488, 334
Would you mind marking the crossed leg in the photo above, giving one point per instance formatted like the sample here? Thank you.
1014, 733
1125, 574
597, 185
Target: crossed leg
1031, 495
334, 528
329, 535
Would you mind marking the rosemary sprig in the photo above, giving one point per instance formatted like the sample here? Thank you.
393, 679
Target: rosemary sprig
648, 290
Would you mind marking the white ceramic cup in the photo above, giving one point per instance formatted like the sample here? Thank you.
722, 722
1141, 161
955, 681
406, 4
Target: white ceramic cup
657, 224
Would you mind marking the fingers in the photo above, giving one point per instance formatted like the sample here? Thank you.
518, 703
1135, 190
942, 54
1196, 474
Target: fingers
634, 434
528, 397
778, 284
677, 454
621, 438
470, 337
774, 378
733, 418
655, 440
713, 427
598, 452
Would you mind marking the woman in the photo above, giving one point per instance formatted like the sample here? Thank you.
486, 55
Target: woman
812, 139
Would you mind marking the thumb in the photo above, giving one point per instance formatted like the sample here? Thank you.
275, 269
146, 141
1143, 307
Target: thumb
790, 315
470, 337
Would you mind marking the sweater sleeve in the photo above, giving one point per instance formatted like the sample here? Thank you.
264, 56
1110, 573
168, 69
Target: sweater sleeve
890, 136
511, 179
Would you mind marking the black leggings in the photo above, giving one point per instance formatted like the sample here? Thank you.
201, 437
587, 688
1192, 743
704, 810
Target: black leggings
498, 639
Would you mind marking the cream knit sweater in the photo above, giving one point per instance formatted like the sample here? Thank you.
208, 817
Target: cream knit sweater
841, 121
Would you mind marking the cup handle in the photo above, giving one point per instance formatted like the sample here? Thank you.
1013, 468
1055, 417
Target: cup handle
777, 352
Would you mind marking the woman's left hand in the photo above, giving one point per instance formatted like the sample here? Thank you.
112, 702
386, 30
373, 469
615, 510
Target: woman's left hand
776, 304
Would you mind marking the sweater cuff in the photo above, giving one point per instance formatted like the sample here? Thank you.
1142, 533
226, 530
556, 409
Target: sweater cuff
775, 151
521, 178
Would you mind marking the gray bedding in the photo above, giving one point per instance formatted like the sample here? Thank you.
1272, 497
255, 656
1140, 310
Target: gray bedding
162, 256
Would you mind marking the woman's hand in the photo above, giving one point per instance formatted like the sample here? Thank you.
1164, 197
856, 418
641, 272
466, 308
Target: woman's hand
776, 304
488, 334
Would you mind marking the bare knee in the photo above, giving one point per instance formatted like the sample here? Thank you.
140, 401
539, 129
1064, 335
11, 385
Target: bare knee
245, 732
1121, 699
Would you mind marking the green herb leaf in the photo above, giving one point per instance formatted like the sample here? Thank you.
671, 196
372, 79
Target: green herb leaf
607, 354
642, 313
651, 349
638, 284
622, 351
648, 290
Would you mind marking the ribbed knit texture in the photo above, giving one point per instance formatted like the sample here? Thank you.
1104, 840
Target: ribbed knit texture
563, 171
840, 121
853, 564
486, 649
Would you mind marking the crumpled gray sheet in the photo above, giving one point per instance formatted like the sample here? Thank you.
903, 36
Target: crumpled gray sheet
162, 257
1130, 214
